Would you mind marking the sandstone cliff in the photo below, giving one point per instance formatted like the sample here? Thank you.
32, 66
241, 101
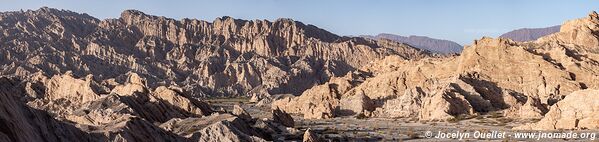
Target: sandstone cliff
522, 79
68, 108
225, 57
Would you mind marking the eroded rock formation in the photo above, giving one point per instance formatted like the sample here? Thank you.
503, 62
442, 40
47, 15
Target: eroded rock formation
576, 111
523, 79
68, 108
225, 57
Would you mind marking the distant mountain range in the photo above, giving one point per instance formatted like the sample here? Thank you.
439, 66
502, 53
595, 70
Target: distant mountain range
423, 42
529, 34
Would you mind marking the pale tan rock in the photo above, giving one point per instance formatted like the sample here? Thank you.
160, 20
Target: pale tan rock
532, 109
319, 111
24, 124
255, 98
310, 137
351, 105
218, 127
577, 111
578, 32
28, 124
491, 75
176, 99
72, 89
134, 84
225, 56
317, 103
445, 106
241, 113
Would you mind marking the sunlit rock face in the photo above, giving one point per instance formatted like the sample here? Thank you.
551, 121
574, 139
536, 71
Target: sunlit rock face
524, 80
225, 57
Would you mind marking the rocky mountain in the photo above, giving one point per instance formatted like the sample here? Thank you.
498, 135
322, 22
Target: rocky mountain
225, 57
66, 108
423, 42
67, 76
530, 34
543, 79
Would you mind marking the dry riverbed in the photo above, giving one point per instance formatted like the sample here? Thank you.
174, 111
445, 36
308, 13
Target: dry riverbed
492, 126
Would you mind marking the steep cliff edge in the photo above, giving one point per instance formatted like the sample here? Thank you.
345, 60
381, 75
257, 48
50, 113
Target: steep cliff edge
521, 79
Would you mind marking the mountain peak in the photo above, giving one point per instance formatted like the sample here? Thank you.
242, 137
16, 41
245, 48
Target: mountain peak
594, 15
530, 34
132, 12
580, 32
422, 42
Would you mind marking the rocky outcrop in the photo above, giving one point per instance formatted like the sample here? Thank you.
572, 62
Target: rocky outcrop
66, 108
576, 111
522, 79
530, 34
310, 137
581, 32
21, 123
241, 113
24, 123
218, 127
225, 57
282, 117
356, 104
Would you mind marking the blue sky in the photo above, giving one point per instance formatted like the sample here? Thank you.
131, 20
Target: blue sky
457, 20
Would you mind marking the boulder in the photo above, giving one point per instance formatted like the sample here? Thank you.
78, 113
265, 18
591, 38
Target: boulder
311, 137
241, 113
217, 127
352, 105
282, 117
577, 111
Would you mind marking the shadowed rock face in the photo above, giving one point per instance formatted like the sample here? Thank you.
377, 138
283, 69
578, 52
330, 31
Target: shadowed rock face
530, 34
225, 57
576, 111
521, 79
423, 42
67, 108
66, 76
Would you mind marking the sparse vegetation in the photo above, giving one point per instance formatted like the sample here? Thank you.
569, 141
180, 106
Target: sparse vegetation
411, 134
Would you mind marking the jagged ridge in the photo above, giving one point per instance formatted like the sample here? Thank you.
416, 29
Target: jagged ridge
224, 57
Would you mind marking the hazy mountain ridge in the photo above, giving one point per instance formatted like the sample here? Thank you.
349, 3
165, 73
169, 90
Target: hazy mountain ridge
423, 42
530, 34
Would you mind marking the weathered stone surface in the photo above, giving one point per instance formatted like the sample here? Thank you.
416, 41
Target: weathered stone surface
116, 117
134, 84
520, 78
218, 127
577, 32
241, 113
282, 117
355, 104
311, 137
20, 122
225, 57
577, 111
179, 101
